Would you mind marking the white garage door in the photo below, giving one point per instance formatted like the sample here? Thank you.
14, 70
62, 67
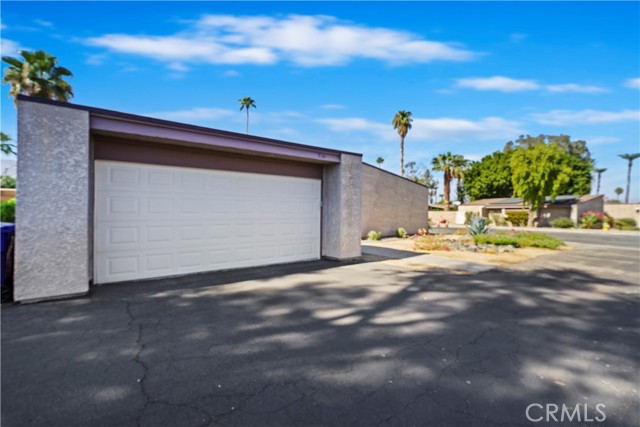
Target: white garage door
154, 221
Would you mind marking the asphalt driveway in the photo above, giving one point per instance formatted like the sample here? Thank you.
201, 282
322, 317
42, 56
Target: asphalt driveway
329, 344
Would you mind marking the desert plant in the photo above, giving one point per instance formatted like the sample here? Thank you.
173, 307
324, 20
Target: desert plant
401, 233
594, 219
374, 235
431, 243
563, 222
497, 219
468, 216
423, 231
517, 218
625, 224
478, 226
461, 232
8, 211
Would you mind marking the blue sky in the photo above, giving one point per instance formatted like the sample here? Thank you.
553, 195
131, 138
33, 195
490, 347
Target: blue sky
475, 75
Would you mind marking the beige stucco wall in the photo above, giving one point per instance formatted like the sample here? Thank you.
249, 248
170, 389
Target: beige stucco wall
549, 214
390, 201
623, 210
437, 216
596, 204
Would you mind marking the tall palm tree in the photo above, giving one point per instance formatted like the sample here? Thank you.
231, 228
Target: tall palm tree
445, 163
38, 74
457, 172
630, 158
599, 171
379, 161
247, 103
402, 122
618, 192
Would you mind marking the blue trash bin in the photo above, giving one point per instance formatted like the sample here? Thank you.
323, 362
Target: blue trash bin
7, 231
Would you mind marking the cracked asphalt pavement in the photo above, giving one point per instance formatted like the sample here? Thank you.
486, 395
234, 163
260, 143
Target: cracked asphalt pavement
334, 344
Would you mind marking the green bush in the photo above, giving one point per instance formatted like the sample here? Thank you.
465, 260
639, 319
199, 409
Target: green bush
8, 211
517, 218
374, 235
402, 233
7, 181
496, 239
519, 240
563, 223
626, 222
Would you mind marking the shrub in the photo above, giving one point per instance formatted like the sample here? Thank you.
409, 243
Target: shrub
468, 217
497, 219
374, 235
517, 218
478, 226
431, 243
401, 233
563, 223
422, 231
496, 239
594, 219
8, 211
7, 181
519, 240
625, 222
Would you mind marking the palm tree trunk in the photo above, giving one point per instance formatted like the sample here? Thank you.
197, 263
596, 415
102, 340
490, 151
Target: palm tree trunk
626, 197
598, 189
247, 120
402, 156
447, 189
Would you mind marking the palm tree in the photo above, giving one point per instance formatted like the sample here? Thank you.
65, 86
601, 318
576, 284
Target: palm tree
630, 158
38, 75
445, 163
5, 146
247, 103
457, 172
402, 122
618, 192
599, 171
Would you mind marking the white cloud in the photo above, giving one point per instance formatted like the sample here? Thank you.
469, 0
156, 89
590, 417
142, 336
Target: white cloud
194, 114
500, 83
516, 37
567, 117
177, 66
602, 140
439, 129
43, 23
632, 83
332, 107
301, 40
572, 87
10, 47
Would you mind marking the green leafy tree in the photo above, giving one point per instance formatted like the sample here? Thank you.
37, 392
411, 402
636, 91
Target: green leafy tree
247, 103
599, 172
538, 172
578, 160
618, 192
37, 74
7, 181
490, 177
445, 163
402, 123
630, 158
379, 161
6, 147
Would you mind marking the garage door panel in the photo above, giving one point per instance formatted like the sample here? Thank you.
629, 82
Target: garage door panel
154, 221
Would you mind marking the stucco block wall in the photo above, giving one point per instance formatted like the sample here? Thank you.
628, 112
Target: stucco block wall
341, 208
389, 202
52, 213
577, 209
623, 210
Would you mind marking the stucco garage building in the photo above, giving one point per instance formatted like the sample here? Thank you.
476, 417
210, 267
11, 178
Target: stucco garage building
107, 197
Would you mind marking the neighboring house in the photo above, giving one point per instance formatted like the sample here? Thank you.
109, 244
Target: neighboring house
563, 206
147, 198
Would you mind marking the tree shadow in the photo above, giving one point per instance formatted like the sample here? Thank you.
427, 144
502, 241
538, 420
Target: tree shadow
359, 344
